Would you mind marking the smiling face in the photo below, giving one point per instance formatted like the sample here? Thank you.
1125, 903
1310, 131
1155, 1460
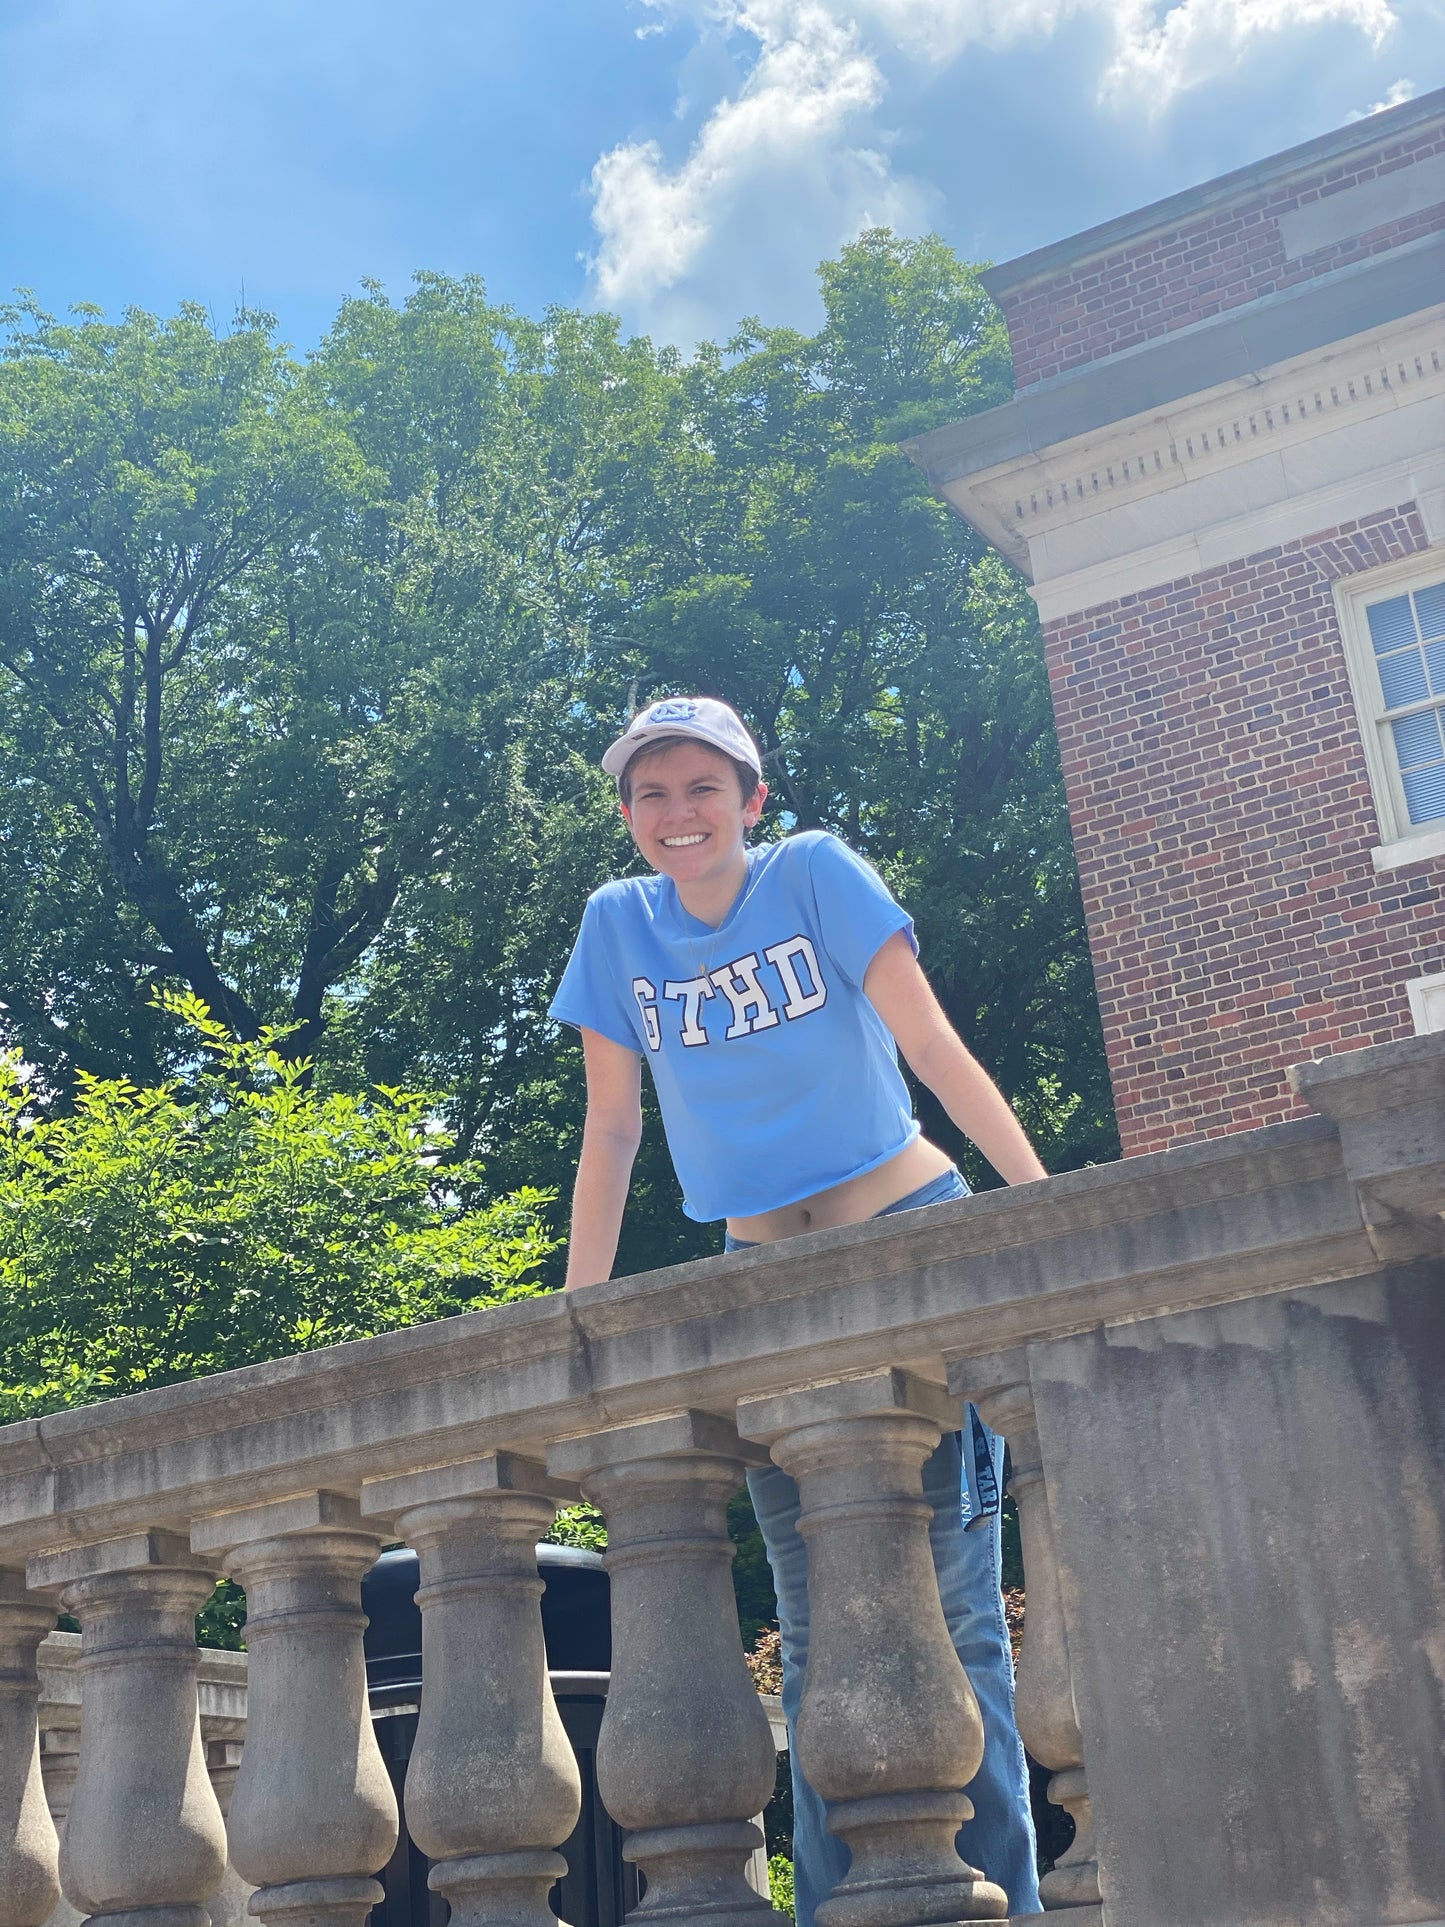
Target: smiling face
687, 815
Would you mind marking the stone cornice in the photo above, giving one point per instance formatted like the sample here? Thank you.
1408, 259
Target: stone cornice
1020, 502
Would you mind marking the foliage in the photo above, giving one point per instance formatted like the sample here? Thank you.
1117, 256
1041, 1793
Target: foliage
244, 702
222, 1620
765, 1660
1011, 1542
304, 673
778, 1816
780, 1883
579, 1525
154, 1234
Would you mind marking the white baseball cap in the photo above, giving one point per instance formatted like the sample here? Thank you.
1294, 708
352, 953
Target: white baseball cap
700, 718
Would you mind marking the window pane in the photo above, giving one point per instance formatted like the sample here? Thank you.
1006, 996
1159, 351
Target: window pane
1430, 608
1425, 793
1402, 677
1417, 739
1435, 657
1391, 623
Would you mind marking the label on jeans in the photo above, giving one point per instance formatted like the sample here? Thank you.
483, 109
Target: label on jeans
979, 1497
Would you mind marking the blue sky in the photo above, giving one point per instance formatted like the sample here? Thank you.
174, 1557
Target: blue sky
685, 162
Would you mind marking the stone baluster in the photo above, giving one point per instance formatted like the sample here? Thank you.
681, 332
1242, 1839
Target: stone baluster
313, 1815
492, 1787
685, 1757
223, 1762
29, 1885
1044, 1692
59, 1763
143, 1837
889, 1731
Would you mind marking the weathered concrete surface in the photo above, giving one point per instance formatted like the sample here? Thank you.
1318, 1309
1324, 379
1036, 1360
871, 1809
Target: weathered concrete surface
685, 1785
1233, 1352
889, 1730
1392, 1139
221, 1694
313, 1815
1249, 1511
144, 1835
492, 1787
29, 1884
1249, 1214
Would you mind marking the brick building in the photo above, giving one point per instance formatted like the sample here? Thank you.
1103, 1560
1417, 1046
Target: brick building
1223, 473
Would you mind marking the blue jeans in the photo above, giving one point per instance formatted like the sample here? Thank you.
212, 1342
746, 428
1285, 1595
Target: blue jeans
1000, 1836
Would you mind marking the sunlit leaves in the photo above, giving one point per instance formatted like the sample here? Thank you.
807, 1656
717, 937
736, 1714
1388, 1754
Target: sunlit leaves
162, 1233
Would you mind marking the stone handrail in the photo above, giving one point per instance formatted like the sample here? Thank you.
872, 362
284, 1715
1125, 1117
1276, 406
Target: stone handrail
1162, 1340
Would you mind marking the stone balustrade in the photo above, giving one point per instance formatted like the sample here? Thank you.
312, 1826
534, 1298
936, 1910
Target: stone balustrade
221, 1699
1220, 1371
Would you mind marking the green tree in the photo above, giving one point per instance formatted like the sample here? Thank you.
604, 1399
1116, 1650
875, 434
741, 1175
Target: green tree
146, 470
253, 676
155, 1234
377, 801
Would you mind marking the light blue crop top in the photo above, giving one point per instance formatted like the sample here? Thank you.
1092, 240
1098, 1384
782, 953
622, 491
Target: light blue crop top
775, 1075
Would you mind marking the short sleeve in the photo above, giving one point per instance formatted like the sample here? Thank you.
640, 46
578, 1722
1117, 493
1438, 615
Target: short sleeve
857, 912
591, 994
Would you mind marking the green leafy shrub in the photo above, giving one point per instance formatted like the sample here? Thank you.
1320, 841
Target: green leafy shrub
780, 1884
579, 1525
158, 1234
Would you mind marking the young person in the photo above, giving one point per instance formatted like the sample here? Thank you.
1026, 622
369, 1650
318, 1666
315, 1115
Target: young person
770, 990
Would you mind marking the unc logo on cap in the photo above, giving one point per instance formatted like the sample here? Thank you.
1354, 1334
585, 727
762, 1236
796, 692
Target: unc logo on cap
671, 710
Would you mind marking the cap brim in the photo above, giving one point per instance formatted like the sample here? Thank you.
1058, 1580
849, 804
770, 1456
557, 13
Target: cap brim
619, 754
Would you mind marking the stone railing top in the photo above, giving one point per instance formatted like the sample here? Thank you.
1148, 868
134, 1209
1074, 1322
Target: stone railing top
1388, 1105
1385, 1077
1263, 1211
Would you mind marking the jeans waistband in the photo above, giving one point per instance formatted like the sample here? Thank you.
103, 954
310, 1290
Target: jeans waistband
948, 1184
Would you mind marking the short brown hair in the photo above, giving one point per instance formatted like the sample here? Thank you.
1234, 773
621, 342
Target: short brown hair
748, 778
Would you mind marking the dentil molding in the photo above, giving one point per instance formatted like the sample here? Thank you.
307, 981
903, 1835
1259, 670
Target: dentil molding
1038, 507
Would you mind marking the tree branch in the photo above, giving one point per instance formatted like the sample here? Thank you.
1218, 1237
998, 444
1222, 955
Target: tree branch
335, 944
40, 1037
155, 895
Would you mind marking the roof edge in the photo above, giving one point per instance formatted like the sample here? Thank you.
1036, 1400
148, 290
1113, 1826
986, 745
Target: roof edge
1240, 343
1371, 130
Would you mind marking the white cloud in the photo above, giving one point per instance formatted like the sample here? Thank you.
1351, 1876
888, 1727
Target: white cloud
798, 147
1158, 56
1158, 49
1396, 94
811, 79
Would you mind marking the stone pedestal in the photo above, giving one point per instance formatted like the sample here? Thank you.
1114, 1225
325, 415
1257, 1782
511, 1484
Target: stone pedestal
230, 1902
29, 1882
144, 1836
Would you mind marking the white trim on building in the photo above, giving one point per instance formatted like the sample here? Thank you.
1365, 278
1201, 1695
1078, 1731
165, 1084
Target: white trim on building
1405, 836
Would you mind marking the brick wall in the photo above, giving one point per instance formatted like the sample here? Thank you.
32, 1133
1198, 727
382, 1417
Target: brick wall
1228, 255
1222, 815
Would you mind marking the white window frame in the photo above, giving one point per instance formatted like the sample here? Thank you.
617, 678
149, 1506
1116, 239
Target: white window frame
1401, 841
1427, 1002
